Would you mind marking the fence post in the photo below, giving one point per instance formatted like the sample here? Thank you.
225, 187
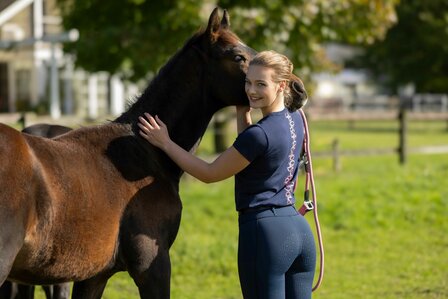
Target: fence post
351, 124
219, 128
335, 151
402, 147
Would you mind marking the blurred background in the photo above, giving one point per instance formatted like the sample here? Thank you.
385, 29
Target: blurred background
377, 75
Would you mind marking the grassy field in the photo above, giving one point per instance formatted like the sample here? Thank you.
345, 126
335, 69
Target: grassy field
384, 229
384, 225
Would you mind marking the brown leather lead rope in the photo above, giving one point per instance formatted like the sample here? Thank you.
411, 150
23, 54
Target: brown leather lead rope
308, 204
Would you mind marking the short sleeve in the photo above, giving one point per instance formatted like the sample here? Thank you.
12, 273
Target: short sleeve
251, 143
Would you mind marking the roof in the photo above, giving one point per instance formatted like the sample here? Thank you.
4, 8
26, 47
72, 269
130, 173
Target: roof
9, 8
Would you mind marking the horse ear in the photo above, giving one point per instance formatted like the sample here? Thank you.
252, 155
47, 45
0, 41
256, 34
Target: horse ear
213, 23
225, 22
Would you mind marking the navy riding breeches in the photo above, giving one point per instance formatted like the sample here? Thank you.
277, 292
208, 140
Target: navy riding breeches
276, 254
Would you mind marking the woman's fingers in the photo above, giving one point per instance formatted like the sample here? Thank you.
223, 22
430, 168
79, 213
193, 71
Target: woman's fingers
152, 121
160, 122
145, 123
143, 134
143, 128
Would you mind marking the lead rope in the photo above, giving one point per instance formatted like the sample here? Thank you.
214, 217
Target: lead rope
311, 205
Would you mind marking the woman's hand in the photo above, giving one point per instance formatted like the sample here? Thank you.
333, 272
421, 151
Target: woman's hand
243, 118
154, 131
243, 110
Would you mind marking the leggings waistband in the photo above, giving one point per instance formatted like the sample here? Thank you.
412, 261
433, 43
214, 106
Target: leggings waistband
258, 213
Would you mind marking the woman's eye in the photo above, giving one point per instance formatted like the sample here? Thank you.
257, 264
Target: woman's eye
239, 58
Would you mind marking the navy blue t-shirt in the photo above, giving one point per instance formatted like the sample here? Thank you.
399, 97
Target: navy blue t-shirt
273, 147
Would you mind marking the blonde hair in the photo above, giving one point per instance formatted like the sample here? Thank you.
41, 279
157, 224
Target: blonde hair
283, 68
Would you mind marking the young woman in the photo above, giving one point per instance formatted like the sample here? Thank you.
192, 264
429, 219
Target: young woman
276, 253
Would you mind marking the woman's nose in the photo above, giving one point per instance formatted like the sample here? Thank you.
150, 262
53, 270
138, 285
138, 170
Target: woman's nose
249, 89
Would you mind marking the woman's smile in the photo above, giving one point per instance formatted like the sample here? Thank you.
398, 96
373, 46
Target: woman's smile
262, 91
255, 99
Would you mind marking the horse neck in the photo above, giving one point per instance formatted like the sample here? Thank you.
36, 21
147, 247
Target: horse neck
179, 97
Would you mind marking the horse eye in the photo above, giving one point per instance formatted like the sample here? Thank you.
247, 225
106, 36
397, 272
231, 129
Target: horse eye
239, 58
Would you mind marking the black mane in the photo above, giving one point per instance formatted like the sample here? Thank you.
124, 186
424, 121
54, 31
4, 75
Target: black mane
154, 98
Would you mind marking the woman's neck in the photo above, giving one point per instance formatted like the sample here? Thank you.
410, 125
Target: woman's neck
276, 106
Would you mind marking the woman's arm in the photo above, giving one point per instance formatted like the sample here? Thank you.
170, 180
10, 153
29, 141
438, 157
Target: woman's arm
243, 118
229, 163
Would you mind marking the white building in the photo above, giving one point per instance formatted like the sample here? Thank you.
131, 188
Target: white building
349, 88
36, 74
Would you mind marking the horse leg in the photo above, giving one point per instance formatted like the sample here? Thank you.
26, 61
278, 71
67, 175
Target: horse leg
24, 291
91, 288
48, 290
60, 291
8, 290
154, 282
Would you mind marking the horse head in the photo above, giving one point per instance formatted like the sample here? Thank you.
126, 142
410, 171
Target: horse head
227, 58
205, 75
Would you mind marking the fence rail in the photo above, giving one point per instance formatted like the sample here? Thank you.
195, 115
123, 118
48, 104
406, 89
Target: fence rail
372, 116
402, 117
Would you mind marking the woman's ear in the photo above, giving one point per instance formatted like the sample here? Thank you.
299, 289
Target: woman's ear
282, 85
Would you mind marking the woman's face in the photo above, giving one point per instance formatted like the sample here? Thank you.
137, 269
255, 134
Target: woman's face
262, 91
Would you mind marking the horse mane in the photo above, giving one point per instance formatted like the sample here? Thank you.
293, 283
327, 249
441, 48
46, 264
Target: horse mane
146, 101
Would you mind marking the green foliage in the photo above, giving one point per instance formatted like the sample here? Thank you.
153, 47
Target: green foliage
415, 49
138, 36
131, 36
299, 28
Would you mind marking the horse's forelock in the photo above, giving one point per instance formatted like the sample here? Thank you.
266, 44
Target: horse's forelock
227, 37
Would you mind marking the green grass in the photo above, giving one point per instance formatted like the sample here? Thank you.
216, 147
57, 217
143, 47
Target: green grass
384, 229
384, 224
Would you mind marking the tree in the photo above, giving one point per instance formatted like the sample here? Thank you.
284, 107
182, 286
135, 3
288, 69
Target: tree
137, 36
300, 28
414, 50
132, 37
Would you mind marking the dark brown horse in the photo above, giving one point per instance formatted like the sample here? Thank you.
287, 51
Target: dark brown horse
11, 290
98, 200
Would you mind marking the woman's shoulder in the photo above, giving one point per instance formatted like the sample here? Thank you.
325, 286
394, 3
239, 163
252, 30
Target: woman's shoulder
251, 142
253, 129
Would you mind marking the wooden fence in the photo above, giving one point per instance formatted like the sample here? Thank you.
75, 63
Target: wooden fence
403, 116
352, 118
